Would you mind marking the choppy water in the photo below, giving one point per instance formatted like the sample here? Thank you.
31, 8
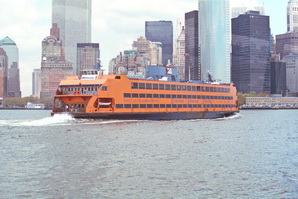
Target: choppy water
251, 155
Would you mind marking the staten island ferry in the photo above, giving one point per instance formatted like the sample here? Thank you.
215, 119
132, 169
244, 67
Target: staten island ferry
159, 95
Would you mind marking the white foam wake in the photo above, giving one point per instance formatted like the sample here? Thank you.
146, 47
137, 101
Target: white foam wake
57, 119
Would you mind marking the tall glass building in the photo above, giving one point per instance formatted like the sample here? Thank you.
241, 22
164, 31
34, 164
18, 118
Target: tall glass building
12, 52
161, 31
74, 21
214, 39
292, 16
192, 67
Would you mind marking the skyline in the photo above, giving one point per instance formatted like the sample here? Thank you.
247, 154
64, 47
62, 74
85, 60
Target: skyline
115, 25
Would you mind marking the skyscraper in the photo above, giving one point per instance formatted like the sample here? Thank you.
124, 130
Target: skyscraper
179, 52
3, 75
74, 21
214, 39
192, 67
292, 16
292, 74
286, 43
88, 56
12, 52
161, 31
251, 52
36, 82
54, 68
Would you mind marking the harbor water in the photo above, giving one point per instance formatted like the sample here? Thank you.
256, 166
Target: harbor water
253, 154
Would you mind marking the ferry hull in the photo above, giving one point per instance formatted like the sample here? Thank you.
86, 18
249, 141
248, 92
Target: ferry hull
154, 116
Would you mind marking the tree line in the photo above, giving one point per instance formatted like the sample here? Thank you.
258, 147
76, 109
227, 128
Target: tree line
21, 102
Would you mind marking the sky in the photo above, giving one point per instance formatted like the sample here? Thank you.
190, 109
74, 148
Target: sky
115, 25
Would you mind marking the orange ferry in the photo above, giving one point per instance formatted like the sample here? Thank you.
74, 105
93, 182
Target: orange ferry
158, 96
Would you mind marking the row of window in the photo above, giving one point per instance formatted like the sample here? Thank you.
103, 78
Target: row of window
174, 96
120, 106
174, 87
81, 89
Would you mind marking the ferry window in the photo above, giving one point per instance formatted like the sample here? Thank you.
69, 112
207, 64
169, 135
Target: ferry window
134, 85
117, 77
161, 87
142, 86
174, 105
148, 86
119, 105
207, 89
174, 96
155, 96
149, 95
135, 106
149, 105
162, 106
168, 96
104, 88
142, 105
173, 87
203, 88
127, 95
183, 87
189, 105
189, 96
162, 95
178, 87
179, 105
168, 87
127, 105
195, 106
155, 86
135, 95
215, 89
203, 97
184, 105
193, 88
189, 88
156, 105
211, 89
198, 88
207, 97
184, 96
168, 106
142, 95
198, 97
179, 96
200, 106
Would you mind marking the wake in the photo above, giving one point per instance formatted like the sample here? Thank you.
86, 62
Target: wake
58, 119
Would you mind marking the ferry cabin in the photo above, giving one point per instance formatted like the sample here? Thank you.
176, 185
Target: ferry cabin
117, 96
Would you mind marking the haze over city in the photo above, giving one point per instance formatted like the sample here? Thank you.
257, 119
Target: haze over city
115, 25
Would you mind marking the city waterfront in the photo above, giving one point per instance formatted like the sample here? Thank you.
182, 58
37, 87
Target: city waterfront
253, 154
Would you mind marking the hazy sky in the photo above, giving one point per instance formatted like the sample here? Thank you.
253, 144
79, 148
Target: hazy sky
115, 25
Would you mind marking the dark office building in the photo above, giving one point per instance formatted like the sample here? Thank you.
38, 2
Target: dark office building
192, 67
161, 31
278, 77
250, 69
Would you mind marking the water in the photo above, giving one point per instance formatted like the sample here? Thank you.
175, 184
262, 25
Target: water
251, 155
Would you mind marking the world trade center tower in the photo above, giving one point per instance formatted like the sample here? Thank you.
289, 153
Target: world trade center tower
74, 22
214, 39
